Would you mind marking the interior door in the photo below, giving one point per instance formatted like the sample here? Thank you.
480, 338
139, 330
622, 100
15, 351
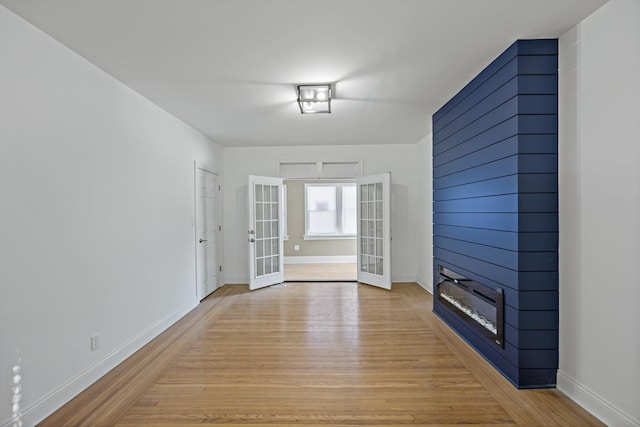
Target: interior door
266, 263
374, 230
206, 232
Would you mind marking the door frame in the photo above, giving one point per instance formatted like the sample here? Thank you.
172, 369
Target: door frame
194, 224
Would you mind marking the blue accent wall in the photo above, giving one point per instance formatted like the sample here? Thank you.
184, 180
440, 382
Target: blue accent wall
495, 204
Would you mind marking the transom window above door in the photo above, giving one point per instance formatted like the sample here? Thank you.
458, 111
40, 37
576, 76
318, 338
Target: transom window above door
330, 211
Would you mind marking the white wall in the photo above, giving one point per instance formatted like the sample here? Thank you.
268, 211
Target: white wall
401, 160
96, 232
425, 205
600, 213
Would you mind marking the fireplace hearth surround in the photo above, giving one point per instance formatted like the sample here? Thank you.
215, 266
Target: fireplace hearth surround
495, 204
480, 307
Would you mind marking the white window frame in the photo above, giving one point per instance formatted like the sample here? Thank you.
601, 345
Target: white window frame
339, 236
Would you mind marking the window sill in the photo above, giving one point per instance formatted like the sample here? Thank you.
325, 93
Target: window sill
328, 237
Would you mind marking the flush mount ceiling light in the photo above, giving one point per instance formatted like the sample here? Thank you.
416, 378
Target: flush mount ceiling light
314, 98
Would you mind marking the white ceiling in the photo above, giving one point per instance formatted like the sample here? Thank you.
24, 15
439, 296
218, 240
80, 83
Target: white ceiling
229, 67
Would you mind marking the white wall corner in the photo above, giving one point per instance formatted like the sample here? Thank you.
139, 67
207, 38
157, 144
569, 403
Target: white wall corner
426, 284
55, 399
595, 404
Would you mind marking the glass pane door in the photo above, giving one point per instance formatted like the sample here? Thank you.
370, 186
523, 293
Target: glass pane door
374, 224
265, 241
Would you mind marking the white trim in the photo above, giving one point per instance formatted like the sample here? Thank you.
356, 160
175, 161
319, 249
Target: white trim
344, 259
329, 237
403, 279
592, 402
55, 399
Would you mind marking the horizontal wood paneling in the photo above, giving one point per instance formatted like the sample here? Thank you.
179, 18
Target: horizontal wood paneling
533, 202
512, 184
495, 202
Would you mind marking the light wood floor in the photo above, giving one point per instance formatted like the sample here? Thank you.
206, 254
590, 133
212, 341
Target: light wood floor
320, 272
313, 354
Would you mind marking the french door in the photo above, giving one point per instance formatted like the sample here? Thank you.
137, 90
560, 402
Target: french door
374, 230
266, 263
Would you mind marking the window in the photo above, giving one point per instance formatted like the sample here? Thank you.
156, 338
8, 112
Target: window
330, 211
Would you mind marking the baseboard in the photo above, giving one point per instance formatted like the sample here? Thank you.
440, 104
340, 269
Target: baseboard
345, 259
595, 404
425, 284
54, 400
402, 279
237, 281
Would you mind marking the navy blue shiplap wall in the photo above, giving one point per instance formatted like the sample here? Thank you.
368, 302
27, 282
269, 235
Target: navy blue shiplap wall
495, 192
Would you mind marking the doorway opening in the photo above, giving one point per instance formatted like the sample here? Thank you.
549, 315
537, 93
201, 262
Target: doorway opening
320, 230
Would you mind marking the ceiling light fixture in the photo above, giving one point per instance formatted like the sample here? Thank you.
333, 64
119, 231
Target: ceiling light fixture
314, 98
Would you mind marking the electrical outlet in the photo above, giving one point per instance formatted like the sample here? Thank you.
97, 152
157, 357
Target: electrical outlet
95, 342
296, 247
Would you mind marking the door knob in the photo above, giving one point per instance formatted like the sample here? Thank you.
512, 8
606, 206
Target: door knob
201, 240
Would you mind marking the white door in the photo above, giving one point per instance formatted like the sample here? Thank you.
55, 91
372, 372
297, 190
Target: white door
206, 232
374, 230
266, 263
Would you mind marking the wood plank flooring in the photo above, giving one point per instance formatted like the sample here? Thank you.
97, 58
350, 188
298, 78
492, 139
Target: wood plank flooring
305, 354
320, 272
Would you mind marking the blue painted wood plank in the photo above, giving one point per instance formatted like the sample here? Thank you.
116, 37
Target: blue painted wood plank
502, 257
522, 261
501, 61
538, 261
545, 242
523, 222
537, 84
493, 187
538, 202
537, 46
537, 104
492, 169
531, 300
537, 378
491, 119
508, 203
538, 64
538, 183
513, 184
531, 339
537, 124
477, 106
524, 164
491, 221
495, 238
452, 149
501, 275
538, 144
505, 203
471, 156
537, 222
531, 319
532, 359
538, 281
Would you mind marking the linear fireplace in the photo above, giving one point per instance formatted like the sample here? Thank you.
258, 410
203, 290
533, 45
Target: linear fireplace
479, 306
